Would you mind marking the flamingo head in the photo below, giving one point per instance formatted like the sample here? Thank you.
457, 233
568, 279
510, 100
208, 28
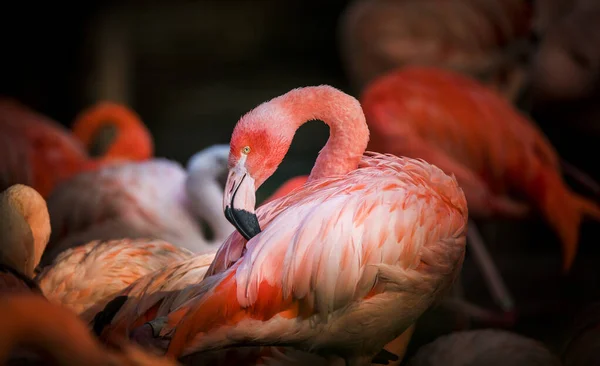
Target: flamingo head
113, 131
258, 145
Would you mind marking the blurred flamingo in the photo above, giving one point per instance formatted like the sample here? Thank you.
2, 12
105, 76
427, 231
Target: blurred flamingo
153, 199
484, 347
34, 324
41, 153
486, 39
84, 279
269, 287
497, 155
24, 232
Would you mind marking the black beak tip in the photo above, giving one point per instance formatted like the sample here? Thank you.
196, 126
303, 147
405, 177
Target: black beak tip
245, 222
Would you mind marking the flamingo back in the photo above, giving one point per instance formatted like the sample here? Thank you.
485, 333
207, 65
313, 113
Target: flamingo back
466, 129
87, 277
337, 241
131, 200
463, 118
153, 295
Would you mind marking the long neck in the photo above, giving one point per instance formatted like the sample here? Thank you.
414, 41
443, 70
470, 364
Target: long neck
32, 322
348, 131
128, 137
206, 201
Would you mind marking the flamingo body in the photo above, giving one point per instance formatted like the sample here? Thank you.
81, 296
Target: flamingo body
87, 277
134, 200
39, 152
481, 38
293, 276
484, 347
35, 150
502, 161
24, 232
153, 296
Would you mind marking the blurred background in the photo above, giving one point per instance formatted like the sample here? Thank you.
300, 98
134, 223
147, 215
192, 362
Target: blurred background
190, 69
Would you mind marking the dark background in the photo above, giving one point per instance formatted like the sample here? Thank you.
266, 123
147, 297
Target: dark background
190, 69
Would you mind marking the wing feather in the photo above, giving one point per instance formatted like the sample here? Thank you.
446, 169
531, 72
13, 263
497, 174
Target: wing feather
325, 247
135, 200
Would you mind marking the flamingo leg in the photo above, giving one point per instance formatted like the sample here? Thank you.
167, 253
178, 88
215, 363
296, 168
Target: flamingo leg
491, 274
494, 281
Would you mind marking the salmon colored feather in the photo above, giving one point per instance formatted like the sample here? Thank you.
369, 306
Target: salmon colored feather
502, 161
326, 260
85, 278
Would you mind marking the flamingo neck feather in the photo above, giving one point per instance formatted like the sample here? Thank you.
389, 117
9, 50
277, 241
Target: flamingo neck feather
348, 131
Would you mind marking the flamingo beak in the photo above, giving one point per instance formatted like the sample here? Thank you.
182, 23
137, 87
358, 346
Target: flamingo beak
239, 201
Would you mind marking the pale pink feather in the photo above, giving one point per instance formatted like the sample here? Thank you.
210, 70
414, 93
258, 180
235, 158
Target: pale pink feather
85, 278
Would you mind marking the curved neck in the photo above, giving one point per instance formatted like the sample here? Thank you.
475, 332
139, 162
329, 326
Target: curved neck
348, 131
119, 132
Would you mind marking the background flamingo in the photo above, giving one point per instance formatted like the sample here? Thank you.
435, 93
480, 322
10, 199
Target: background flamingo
153, 199
484, 347
84, 279
495, 152
24, 232
486, 39
32, 322
39, 152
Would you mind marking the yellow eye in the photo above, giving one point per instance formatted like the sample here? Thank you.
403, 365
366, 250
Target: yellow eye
246, 150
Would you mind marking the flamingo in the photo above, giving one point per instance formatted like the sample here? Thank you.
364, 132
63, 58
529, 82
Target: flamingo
484, 347
24, 232
485, 39
38, 152
152, 199
32, 322
367, 268
495, 153
113, 131
84, 279
140, 309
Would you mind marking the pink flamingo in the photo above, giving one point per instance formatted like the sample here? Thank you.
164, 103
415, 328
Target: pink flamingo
345, 264
156, 199
85, 278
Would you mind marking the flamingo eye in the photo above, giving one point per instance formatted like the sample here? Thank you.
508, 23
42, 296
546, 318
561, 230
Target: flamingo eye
246, 150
